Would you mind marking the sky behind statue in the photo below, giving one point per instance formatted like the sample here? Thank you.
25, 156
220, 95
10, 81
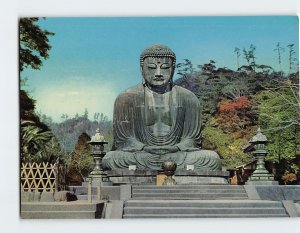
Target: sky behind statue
92, 60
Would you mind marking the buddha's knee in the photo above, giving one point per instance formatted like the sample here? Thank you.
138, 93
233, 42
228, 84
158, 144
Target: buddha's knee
203, 154
107, 159
203, 159
210, 153
117, 159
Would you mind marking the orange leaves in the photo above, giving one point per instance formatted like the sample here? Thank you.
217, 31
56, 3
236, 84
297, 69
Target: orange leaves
233, 116
234, 105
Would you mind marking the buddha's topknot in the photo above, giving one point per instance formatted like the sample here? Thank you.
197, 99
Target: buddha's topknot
157, 50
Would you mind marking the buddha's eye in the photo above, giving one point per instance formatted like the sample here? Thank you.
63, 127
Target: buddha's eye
165, 66
151, 66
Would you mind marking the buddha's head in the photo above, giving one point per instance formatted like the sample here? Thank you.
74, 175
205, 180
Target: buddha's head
157, 66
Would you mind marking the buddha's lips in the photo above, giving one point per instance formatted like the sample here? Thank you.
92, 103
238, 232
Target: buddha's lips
159, 79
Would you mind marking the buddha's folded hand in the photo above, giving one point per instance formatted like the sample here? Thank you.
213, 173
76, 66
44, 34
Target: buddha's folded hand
161, 149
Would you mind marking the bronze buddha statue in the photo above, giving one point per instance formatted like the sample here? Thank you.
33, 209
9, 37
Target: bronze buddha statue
157, 121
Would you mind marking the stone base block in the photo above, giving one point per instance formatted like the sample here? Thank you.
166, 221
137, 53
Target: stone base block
200, 180
124, 176
265, 182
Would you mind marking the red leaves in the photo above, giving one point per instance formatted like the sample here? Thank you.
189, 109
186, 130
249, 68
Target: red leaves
233, 116
234, 105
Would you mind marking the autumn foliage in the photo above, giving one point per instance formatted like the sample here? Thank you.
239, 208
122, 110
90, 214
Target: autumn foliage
235, 115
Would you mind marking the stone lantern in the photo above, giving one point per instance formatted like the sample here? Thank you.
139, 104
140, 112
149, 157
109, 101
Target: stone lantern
98, 153
258, 148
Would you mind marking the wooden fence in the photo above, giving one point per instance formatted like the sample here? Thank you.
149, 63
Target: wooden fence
42, 177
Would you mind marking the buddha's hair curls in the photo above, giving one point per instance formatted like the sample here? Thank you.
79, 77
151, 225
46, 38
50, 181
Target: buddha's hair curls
157, 50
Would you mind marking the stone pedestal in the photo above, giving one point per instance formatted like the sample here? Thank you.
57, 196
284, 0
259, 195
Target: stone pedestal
261, 176
181, 176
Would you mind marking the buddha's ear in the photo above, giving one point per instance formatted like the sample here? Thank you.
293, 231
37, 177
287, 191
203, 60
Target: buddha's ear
173, 71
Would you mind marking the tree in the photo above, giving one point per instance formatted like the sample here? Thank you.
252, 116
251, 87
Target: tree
265, 68
229, 130
281, 104
292, 59
81, 161
279, 50
96, 116
235, 87
38, 144
235, 116
208, 68
279, 117
64, 116
252, 55
33, 140
225, 144
238, 54
86, 114
246, 56
185, 67
249, 55
34, 43
68, 130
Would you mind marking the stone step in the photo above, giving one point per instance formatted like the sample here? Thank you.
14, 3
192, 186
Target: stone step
177, 192
187, 196
136, 191
59, 215
203, 203
199, 210
202, 209
205, 216
61, 206
187, 187
64, 210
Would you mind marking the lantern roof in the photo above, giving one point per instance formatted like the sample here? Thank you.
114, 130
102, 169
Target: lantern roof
98, 138
258, 137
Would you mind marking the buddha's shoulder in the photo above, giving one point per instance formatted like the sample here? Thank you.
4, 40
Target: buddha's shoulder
185, 92
135, 89
131, 92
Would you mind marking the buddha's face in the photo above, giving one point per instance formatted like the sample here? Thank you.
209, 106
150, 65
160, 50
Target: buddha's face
158, 71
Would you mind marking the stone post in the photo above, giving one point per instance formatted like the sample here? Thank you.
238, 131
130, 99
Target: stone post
89, 190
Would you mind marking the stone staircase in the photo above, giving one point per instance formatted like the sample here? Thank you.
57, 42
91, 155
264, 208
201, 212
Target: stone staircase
61, 210
197, 201
189, 192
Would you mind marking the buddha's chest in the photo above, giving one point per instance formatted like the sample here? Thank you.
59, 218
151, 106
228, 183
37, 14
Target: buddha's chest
159, 113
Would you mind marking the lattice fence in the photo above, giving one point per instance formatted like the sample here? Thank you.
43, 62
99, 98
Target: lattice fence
41, 177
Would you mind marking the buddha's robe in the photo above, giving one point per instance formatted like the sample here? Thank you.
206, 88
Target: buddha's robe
144, 118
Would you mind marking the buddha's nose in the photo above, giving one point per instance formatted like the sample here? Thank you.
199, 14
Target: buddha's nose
158, 72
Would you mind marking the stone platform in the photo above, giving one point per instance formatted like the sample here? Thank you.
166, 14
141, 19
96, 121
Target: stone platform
125, 176
62, 210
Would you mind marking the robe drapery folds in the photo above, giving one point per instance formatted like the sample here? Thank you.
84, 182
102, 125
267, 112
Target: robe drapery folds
135, 116
131, 132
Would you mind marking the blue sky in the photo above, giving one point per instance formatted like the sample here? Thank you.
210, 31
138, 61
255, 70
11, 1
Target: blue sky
92, 60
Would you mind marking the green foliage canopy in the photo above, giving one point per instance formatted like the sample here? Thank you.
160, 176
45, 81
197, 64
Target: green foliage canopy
279, 116
34, 43
229, 147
